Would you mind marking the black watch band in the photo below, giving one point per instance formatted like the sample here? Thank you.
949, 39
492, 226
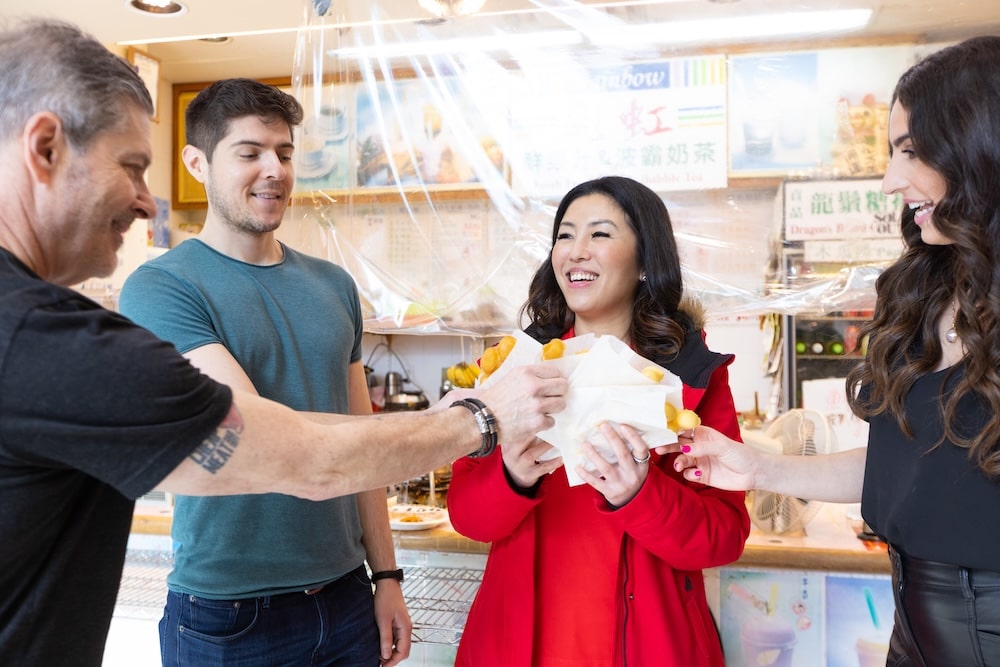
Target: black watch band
487, 425
388, 574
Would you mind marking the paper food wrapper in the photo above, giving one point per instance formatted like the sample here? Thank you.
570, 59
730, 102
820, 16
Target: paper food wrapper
605, 384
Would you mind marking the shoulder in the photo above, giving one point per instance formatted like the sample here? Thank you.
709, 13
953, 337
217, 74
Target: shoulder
316, 265
179, 260
695, 363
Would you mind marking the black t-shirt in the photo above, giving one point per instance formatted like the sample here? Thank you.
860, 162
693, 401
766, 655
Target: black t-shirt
934, 504
94, 412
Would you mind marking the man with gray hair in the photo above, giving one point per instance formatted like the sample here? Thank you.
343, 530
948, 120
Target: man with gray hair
96, 411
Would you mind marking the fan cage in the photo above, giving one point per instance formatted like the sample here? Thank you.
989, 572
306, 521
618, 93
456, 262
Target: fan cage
800, 432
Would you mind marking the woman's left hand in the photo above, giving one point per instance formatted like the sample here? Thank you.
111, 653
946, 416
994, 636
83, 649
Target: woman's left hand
617, 482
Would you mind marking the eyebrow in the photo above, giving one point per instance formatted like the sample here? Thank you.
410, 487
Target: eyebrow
900, 140
257, 144
592, 223
139, 158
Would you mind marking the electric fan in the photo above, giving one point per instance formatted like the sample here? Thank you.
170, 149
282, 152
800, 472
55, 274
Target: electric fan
798, 432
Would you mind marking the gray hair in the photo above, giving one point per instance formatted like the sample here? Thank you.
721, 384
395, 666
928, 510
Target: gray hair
50, 65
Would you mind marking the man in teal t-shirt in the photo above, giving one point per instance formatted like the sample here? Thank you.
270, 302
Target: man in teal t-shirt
266, 577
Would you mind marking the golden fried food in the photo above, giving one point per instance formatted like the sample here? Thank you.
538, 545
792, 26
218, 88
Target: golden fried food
670, 412
490, 360
505, 345
493, 357
653, 373
687, 420
680, 420
553, 349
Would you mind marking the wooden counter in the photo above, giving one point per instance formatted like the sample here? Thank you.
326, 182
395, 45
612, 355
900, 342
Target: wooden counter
831, 543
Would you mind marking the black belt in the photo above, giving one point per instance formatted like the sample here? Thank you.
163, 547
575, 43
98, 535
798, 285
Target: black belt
932, 572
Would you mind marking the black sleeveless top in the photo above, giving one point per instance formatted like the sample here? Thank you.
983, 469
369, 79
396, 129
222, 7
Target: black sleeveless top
932, 503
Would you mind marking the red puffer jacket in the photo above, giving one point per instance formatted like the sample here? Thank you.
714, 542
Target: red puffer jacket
648, 570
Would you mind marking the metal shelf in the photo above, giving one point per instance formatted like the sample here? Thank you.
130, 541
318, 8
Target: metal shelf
439, 599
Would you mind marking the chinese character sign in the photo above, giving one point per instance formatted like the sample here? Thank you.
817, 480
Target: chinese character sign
662, 123
819, 210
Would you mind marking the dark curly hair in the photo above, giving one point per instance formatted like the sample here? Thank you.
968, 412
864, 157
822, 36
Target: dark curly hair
657, 328
953, 101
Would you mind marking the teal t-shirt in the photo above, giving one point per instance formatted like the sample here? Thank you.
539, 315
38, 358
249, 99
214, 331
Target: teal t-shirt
295, 327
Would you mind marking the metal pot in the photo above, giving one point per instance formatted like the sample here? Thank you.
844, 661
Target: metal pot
406, 400
393, 384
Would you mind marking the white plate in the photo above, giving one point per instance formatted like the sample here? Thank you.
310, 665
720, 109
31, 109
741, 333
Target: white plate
322, 168
418, 517
315, 127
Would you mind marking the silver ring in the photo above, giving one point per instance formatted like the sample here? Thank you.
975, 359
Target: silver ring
644, 460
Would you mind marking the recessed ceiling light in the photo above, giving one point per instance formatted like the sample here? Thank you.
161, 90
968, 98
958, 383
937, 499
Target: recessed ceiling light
216, 40
157, 7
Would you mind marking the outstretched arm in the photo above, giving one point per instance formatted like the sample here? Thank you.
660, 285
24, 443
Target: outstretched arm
262, 446
711, 458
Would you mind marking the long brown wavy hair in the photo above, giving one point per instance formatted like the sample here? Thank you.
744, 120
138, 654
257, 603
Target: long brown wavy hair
953, 100
657, 328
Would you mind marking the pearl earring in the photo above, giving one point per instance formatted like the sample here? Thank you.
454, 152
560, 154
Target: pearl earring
642, 277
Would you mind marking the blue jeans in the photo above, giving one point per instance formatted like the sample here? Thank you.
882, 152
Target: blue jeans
334, 627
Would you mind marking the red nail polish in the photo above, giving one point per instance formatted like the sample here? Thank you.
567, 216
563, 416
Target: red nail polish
697, 473
685, 449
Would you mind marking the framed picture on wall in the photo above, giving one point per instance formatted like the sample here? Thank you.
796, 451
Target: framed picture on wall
413, 133
148, 68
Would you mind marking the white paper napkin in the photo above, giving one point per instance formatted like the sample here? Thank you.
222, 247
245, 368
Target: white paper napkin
605, 384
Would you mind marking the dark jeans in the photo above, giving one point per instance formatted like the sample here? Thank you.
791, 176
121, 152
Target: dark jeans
334, 627
945, 615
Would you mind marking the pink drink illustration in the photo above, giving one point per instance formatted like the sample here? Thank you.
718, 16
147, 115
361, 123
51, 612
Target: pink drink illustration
767, 640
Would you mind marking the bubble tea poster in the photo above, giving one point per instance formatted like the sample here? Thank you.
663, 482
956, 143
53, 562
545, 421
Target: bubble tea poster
859, 612
771, 618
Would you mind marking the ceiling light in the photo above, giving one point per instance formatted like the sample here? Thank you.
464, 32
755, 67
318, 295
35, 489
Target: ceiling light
482, 43
157, 7
736, 27
446, 8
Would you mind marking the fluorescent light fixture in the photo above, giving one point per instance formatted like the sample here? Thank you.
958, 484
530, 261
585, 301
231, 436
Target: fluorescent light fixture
736, 27
484, 43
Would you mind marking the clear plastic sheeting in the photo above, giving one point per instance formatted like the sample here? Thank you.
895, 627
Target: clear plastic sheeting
434, 151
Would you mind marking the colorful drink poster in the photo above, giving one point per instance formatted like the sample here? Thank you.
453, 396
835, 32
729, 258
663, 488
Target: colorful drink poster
859, 613
771, 618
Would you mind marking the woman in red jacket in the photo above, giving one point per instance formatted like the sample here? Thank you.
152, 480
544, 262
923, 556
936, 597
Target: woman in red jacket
607, 573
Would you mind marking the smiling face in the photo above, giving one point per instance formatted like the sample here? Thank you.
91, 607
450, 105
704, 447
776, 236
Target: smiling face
250, 179
920, 185
101, 192
596, 264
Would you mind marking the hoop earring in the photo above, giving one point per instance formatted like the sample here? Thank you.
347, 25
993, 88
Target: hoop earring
642, 277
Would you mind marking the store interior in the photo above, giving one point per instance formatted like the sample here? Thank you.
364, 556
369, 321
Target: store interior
440, 135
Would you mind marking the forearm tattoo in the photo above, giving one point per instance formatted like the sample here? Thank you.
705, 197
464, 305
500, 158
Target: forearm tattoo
215, 451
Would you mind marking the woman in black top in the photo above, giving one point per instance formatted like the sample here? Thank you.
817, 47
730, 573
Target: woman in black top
929, 481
